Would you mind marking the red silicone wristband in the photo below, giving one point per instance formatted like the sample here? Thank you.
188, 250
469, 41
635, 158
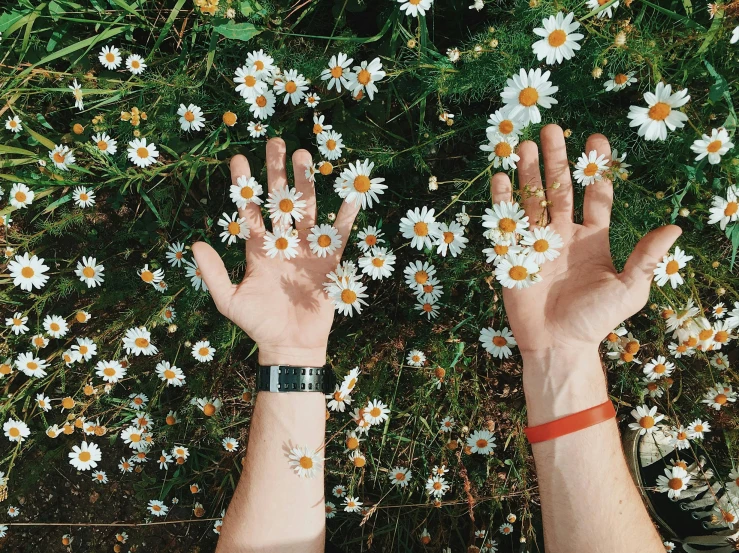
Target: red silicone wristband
571, 423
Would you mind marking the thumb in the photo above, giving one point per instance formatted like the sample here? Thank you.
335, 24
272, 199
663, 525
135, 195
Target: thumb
639, 270
214, 274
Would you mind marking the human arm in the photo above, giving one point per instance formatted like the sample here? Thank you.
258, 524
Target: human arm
589, 501
281, 305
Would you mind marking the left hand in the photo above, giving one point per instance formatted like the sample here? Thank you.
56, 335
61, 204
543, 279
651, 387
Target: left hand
279, 303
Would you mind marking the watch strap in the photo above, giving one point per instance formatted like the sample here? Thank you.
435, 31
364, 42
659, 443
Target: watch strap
571, 423
288, 378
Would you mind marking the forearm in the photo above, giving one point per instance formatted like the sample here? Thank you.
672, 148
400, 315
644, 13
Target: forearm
273, 510
589, 501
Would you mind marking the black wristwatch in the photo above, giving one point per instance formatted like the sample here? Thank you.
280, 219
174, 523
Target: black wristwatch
286, 378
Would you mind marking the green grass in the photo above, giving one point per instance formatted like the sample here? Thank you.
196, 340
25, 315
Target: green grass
191, 58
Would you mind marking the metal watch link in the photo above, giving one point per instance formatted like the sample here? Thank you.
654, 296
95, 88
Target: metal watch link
287, 378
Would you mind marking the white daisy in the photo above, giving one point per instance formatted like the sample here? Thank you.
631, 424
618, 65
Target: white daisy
157, 508
502, 124
658, 367
506, 218
427, 307
376, 412
517, 271
13, 124
400, 476
164, 460
202, 351
105, 144
713, 146
142, 154
246, 191
312, 99
151, 276
437, 486
501, 150
76, 89
262, 105
135, 64
679, 438
364, 78
347, 294
43, 402
90, 272
338, 400
85, 348
646, 419
497, 342
20, 195
17, 323
668, 269
85, 456
323, 240
355, 185
28, 272
661, 113
618, 81
257, 129
559, 40
110, 371
421, 227
352, 505
110, 57
544, 244
191, 117
338, 69
138, 341
233, 227
330, 144
369, 237
590, 168
249, 83
305, 463
697, 428
262, 63
282, 243
176, 254
55, 326
285, 205
192, 271
230, 444
719, 396
135, 438
378, 263
293, 85
416, 358
524, 92
430, 291
83, 197
674, 481
734, 35
415, 8
318, 125
16, 430
39, 341
418, 273
618, 164
62, 157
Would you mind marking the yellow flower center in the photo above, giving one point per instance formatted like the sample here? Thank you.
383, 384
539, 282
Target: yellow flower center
58, 157
286, 205
147, 276
102, 145
421, 277
337, 71
331, 145
290, 87
590, 169
714, 146
352, 443
448, 237
421, 229
557, 38
142, 342
507, 225
505, 126
189, 116
362, 183
89, 272
109, 57
499, 341
541, 245
364, 77
109, 371
209, 409
326, 168
517, 272
646, 422
84, 456
721, 399
503, 149
281, 243
20, 196
204, 352
659, 111
672, 267
675, 483
620, 78
500, 249
135, 64
261, 101
632, 347
348, 296
259, 65
721, 336
306, 462
142, 152
731, 209
378, 262
324, 240
247, 192
660, 368
528, 96
234, 228
14, 432
250, 80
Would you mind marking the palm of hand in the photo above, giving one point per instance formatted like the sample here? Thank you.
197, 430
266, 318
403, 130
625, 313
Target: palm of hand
581, 296
280, 303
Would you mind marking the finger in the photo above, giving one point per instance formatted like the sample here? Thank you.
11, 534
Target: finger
344, 221
557, 170
529, 178
500, 188
301, 161
276, 168
639, 270
214, 274
252, 213
599, 195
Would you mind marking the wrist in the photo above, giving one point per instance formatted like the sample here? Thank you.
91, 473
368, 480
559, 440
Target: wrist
560, 382
286, 355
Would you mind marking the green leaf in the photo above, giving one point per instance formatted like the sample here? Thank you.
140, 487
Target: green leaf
238, 31
7, 20
712, 32
252, 7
